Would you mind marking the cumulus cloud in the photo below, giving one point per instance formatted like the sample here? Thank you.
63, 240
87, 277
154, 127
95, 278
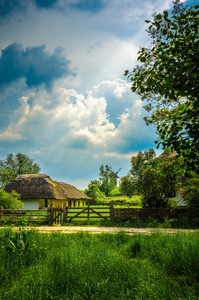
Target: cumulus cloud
119, 155
34, 64
77, 121
75, 132
110, 88
76, 117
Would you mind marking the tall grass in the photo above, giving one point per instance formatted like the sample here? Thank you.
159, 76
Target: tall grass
104, 266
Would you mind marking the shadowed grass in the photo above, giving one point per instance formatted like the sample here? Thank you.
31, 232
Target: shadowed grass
104, 266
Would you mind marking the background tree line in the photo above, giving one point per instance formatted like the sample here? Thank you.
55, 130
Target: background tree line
13, 166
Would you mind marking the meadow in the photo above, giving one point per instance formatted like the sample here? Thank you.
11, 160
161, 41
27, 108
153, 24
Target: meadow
105, 266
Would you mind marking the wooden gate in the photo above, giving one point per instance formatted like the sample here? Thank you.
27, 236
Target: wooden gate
57, 214
88, 213
63, 214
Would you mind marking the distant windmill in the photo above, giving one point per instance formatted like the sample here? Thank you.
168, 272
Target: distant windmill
114, 174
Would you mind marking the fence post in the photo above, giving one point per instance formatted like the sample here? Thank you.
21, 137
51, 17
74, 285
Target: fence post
51, 213
88, 212
111, 211
1, 212
48, 213
65, 212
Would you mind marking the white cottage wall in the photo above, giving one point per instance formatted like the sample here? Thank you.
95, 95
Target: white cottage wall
31, 203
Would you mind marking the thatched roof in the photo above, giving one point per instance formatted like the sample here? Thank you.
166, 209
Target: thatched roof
41, 186
70, 191
167, 153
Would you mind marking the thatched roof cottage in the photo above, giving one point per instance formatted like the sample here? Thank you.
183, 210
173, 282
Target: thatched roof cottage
39, 190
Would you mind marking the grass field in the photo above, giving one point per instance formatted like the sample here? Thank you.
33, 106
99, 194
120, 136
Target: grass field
104, 266
124, 200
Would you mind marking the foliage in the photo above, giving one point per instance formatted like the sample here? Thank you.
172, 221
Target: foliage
6, 175
106, 179
168, 79
177, 223
141, 267
139, 163
94, 192
190, 191
156, 180
128, 201
10, 200
127, 185
15, 165
19, 250
117, 191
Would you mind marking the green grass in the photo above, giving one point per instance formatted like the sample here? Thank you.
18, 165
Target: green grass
104, 266
177, 223
24, 220
123, 200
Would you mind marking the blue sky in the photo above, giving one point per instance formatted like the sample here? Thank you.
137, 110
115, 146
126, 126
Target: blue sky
64, 100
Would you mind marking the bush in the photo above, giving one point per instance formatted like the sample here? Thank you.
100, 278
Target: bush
94, 192
127, 185
155, 179
190, 191
10, 200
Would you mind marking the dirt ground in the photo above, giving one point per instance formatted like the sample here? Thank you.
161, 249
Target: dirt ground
95, 230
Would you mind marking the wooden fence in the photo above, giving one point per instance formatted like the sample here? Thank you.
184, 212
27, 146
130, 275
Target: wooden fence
31, 214
155, 213
58, 215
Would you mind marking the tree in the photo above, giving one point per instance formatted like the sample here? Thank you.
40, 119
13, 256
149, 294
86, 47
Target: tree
6, 175
168, 80
190, 190
139, 163
15, 165
10, 200
127, 185
106, 179
94, 192
155, 179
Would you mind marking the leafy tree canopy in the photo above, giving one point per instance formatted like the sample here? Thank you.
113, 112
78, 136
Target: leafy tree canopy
106, 179
155, 179
168, 80
128, 186
10, 200
190, 190
14, 165
94, 192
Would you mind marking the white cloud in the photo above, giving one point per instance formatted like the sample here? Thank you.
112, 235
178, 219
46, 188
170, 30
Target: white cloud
117, 87
35, 152
119, 155
64, 111
92, 118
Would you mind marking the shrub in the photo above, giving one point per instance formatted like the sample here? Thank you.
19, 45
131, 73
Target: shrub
127, 185
190, 191
10, 200
155, 179
94, 192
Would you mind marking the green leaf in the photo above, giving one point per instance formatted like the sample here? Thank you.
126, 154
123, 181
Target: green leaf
165, 13
143, 59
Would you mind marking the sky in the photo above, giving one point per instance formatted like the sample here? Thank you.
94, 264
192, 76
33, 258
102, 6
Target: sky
64, 100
